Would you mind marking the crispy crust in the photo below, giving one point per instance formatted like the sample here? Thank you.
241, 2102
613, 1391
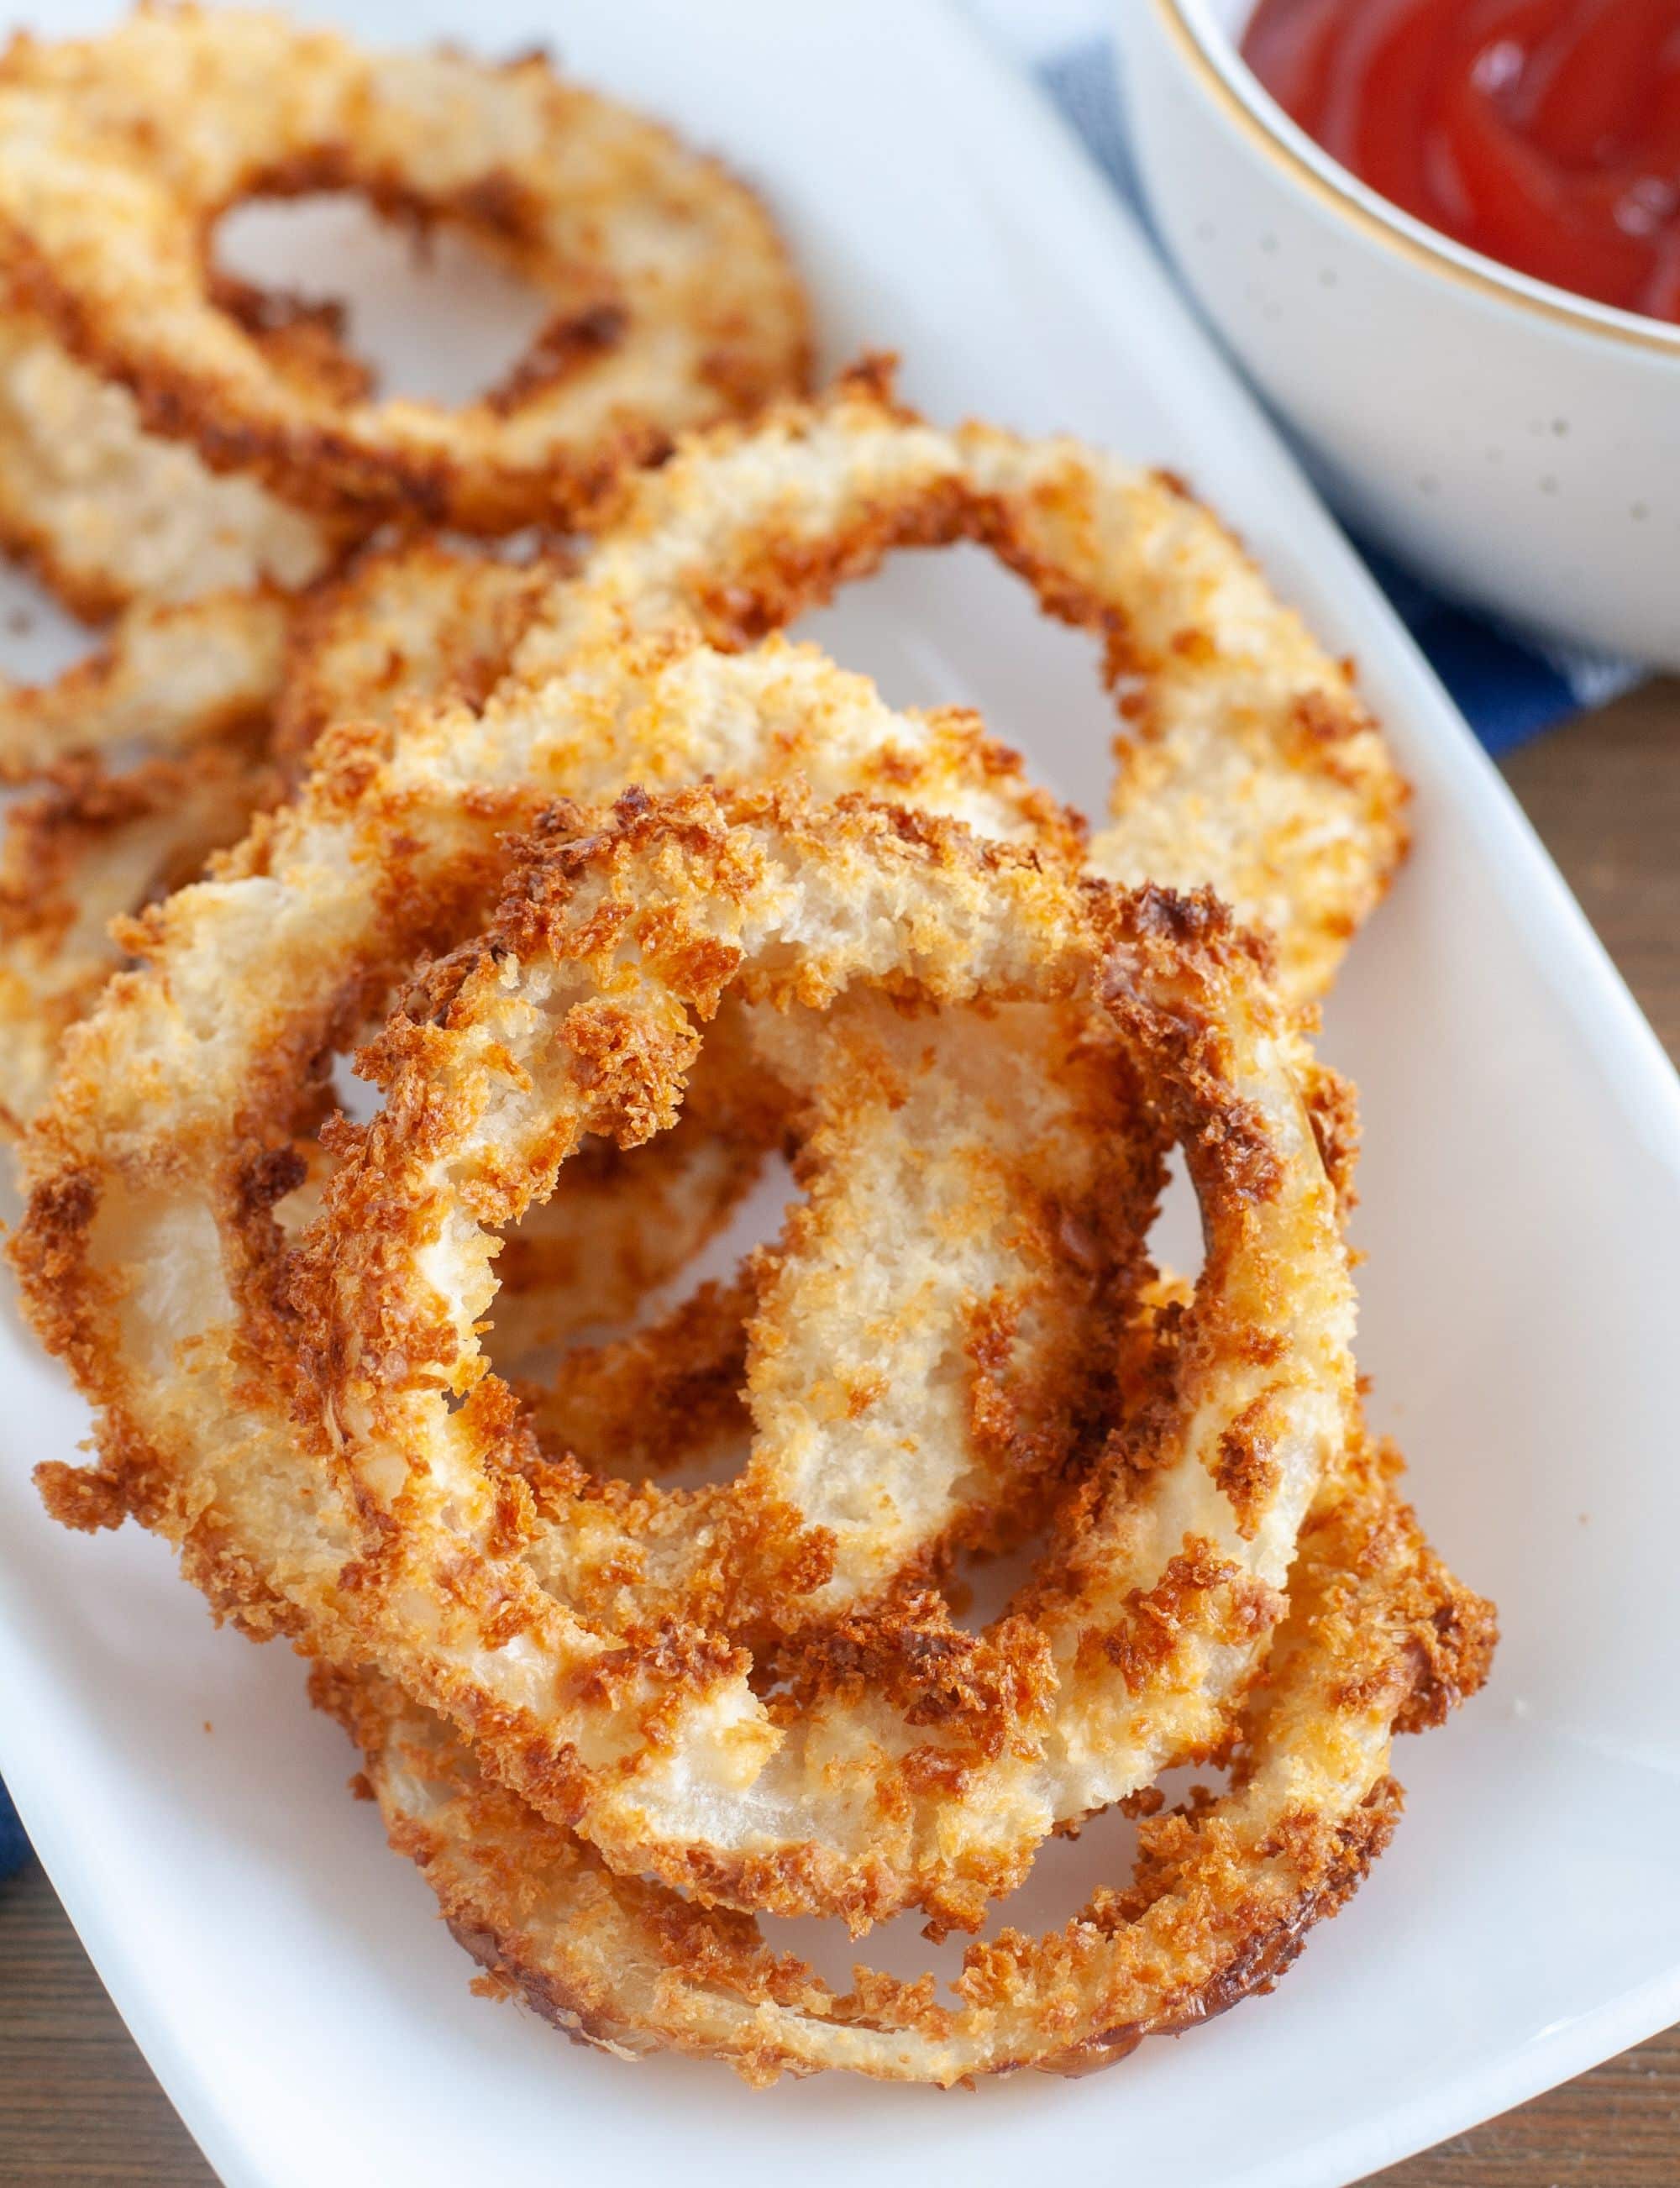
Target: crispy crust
195, 568
671, 298
91, 848
1218, 1905
166, 679
784, 1526
625, 1224
361, 919
1185, 995
198, 687
189, 687
1220, 1900
1246, 761
111, 515
658, 1399
415, 623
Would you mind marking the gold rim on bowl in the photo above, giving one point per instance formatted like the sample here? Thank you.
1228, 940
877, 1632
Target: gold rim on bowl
1388, 225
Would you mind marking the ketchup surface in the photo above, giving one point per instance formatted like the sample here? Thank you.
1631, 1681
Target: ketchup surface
1545, 134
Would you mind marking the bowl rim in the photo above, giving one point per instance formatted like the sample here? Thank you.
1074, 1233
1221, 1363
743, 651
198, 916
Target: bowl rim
1214, 58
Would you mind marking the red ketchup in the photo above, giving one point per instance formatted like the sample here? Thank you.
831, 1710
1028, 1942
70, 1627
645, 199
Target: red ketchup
1543, 133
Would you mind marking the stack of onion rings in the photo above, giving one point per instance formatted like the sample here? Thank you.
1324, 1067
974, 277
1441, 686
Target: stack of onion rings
629, 891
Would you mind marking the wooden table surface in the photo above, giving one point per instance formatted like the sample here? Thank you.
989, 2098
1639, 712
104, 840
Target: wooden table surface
77, 2104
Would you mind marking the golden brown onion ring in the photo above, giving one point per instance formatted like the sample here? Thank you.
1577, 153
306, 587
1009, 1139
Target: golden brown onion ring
1246, 759
634, 1969
425, 623
1379, 1639
671, 302
523, 720
933, 1177
668, 1918
201, 1069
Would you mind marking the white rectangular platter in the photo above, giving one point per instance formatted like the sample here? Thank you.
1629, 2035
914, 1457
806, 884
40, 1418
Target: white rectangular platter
284, 1973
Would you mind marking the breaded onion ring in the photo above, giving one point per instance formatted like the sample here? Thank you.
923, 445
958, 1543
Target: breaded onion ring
423, 623
199, 1067
671, 300
1237, 1569
1379, 1639
576, 1014
1246, 759
894, 480
631, 1962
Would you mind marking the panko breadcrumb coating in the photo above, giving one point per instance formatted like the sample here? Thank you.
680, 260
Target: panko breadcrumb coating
111, 515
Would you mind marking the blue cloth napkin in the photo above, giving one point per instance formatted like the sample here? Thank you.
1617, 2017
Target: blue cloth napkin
14, 1845
1507, 688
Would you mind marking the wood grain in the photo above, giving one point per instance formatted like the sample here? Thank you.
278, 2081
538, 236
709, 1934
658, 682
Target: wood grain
78, 2105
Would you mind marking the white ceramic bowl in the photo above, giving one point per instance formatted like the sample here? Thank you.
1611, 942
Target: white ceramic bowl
1518, 445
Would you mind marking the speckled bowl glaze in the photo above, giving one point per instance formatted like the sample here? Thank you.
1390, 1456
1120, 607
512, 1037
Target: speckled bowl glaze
1517, 445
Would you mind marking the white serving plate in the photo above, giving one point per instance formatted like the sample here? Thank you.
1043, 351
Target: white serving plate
1522, 1206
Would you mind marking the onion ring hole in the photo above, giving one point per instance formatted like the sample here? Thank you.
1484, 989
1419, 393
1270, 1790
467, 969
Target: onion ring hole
423, 312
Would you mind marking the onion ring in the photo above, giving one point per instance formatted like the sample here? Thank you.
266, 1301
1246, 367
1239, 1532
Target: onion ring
1223, 1594
935, 1789
1246, 757
1217, 683
1379, 1639
640, 570
672, 301
395, 836
423, 623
